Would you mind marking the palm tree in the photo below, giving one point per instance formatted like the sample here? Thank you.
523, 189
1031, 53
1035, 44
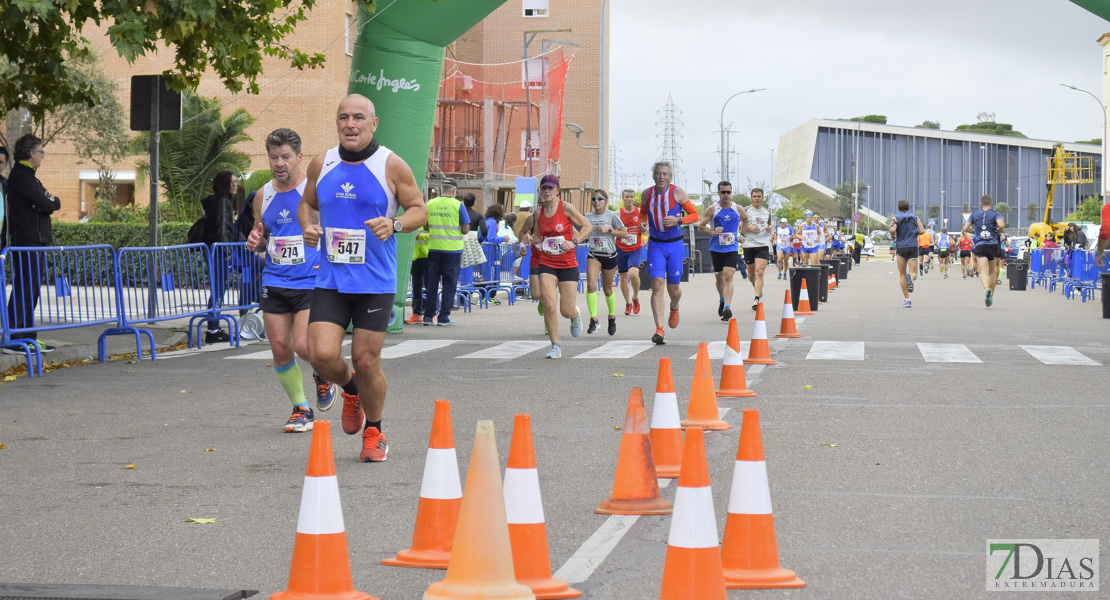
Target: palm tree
189, 158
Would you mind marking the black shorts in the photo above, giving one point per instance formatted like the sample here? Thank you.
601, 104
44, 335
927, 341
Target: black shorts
942, 254
282, 301
965, 253
569, 274
988, 251
750, 254
923, 251
721, 260
368, 311
907, 253
608, 263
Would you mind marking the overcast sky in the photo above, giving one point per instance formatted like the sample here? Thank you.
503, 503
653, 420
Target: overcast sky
940, 60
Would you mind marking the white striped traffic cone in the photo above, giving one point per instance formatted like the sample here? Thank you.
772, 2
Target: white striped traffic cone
666, 426
759, 352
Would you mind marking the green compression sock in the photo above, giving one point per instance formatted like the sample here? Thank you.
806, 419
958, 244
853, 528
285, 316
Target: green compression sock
591, 302
291, 379
611, 302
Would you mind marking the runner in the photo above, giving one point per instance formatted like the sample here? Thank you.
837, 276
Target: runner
660, 210
784, 235
553, 230
904, 231
757, 243
822, 238
357, 188
630, 253
987, 225
796, 254
944, 245
924, 248
727, 218
607, 229
288, 277
535, 292
810, 240
965, 254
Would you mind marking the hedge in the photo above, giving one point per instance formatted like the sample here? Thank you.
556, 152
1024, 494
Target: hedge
117, 235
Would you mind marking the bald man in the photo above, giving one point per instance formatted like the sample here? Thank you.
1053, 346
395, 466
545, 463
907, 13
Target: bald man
350, 206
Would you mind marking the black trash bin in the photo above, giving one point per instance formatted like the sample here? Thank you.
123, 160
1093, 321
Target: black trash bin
823, 281
811, 276
1018, 273
1105, 286
845, 266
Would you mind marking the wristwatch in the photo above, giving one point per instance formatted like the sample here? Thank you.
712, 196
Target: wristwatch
397, 227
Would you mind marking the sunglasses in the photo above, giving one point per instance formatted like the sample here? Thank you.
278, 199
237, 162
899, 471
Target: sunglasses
599, 199
725, 192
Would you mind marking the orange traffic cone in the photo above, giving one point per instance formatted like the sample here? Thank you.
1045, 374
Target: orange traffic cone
734, 382
692, 568
832, 281
666, 430
788, 328
803, 301
759, 352
702, 410
524, 510
635, 485
481, 564
321, 566
749, 552
440, 498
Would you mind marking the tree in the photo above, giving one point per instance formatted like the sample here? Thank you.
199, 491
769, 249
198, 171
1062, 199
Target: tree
934, 211
1032, 212
929, 125
189, 158
846, 205
43, 39
985, 117
1003, 209
793, 209
881, 119
1090, 210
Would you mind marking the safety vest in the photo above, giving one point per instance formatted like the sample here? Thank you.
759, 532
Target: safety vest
443, 222
422, 241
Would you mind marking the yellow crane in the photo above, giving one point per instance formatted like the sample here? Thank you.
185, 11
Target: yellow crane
1064, 168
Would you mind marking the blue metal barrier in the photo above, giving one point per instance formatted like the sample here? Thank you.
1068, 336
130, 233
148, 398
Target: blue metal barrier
53, 288
236, 282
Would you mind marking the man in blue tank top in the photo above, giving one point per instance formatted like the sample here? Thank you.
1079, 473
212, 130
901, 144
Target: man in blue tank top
986, 224
289, 276
356, 189
904, 231
722, 221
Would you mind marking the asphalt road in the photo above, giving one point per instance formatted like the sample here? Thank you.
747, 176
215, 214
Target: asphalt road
888, 474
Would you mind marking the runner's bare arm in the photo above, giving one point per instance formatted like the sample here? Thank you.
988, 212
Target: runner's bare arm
583, 226
703, 224
308, 211
409, 197
257, 237
643, 212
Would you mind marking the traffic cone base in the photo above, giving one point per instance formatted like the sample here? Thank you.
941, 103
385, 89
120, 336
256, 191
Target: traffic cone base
635, 485
666, 427
764, 572
804, 308
788, 328
734, 381
702, 410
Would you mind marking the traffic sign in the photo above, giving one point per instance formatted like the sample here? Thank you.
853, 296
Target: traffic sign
857, 217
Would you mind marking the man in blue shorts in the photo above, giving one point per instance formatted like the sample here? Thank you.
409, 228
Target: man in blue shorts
356, 188
664, 208
987, 225
904, 230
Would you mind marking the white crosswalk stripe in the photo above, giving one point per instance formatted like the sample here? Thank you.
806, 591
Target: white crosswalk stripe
410, 347
717, 350
618, 349
822, 350
947, 353
508, 350
1059, 355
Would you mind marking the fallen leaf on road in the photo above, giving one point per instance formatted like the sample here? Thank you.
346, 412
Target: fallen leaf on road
182, 391
615, 428
202, 521
828, 445
210, 450
9, 378
618, 374
3, 447
131, 362
130, 466
809, 387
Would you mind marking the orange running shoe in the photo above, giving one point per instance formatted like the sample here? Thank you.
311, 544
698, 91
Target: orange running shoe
353, 415
636, 306
628, 309
658, 337
374, 446
672, 321
415, 319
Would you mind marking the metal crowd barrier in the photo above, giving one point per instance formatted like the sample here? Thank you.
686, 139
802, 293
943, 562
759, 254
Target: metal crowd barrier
237, 282
53, 288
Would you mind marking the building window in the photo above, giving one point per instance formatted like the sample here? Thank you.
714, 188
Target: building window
534, 71
535, 144
535, 8
348, 26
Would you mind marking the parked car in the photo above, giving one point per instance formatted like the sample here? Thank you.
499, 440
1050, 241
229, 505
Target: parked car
868, 247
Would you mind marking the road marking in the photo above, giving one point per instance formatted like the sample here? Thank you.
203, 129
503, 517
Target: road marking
619, 349
264, 354
798, 321
1058, 355
835, 351
216, 347
410, 347
947, 353
717, 350
508, 350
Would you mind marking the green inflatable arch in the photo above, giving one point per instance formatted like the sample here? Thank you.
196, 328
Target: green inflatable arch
397, 64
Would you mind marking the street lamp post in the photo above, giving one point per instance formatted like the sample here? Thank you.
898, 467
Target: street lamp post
724, 152
578, 131
1102, 109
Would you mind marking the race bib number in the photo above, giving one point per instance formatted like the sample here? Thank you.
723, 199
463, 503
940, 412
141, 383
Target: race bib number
601, 245
783, 239
286, 250
809, 238
552, 245
727, 239
346, 246
630, 240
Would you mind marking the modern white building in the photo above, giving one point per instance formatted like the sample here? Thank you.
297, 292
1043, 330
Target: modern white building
929, 167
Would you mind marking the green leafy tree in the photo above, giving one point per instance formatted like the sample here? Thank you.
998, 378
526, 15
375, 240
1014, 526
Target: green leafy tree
929, 125
793, 209
934, 211
1090, 210
881, 119
1032, 212
42, 40
190, 157
1003, 209
844, 201
256, 180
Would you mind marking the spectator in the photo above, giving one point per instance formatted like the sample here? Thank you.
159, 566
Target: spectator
220, 228
4, 164
468, 200
1050, 242
31, 206
522, 213
448, 222
493, 217
1074, 238
507, 229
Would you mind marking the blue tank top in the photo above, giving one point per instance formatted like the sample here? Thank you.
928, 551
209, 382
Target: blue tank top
943, 242
729, 222
354, 260
906, 234
659, 206
289, 263
985, 225
810, 235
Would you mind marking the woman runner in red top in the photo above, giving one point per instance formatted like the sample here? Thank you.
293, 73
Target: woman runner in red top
553, 229
965, 254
